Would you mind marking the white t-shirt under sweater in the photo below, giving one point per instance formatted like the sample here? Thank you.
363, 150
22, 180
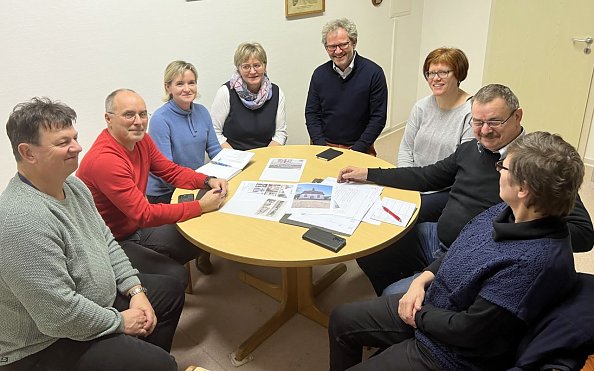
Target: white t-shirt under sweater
60, 270
432, 134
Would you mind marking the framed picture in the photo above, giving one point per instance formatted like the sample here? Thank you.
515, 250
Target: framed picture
294, 8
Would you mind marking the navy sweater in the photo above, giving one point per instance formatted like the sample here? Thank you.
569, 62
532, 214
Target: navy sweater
349, 111
522, 268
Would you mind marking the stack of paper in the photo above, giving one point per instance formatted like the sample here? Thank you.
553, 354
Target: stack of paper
227, 164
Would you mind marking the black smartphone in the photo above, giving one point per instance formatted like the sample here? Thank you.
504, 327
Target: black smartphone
325, 239
329, 154
185, 198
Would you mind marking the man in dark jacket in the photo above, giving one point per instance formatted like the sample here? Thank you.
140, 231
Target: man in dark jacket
474, 182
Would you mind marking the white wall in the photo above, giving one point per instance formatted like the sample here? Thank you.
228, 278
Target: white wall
79, 51
464, 26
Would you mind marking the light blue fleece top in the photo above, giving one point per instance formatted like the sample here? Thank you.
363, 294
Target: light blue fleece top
183, 137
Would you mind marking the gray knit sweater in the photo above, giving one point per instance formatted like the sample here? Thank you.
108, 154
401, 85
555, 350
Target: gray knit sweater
60, 268
432, 134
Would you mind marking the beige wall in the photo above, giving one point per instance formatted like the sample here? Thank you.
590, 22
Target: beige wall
79, 51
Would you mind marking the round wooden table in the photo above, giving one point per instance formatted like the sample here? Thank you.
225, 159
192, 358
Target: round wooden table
266, 243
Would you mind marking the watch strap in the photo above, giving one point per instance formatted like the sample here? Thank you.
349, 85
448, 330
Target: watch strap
207, 179
137, 291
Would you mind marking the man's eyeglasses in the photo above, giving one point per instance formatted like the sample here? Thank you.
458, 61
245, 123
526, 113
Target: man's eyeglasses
441, 74
342, 46
491, 123
499, 166
247, 67
131, 116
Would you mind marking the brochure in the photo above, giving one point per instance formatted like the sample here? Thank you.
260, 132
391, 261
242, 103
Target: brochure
227, 164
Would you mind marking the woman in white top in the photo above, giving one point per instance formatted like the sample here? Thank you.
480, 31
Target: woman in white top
438, 123
248, 111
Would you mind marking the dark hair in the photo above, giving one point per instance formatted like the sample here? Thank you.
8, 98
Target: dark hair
28, 119
550, 167
455, 58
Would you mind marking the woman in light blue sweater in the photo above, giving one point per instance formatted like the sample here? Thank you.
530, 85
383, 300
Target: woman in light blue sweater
183, 132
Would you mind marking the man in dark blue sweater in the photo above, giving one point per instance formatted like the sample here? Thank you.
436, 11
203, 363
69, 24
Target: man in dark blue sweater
470, 172
348, 96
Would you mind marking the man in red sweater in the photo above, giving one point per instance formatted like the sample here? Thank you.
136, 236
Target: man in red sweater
116, 169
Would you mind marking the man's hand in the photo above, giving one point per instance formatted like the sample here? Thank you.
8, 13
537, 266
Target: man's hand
134, 322
218, 184
212, 200
141, 302
352, 174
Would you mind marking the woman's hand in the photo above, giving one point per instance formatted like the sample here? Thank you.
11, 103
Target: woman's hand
353, 174
412, 302
212, 200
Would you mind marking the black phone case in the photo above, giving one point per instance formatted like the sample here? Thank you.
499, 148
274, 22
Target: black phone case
329, 154
185, 198
325, 239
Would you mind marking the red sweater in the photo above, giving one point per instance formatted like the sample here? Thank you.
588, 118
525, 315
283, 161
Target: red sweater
117, 179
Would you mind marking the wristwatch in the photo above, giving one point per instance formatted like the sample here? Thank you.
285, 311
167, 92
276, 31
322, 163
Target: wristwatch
136, 291
207, 179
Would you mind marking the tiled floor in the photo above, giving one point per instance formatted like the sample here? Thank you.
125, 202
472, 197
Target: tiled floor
223, 311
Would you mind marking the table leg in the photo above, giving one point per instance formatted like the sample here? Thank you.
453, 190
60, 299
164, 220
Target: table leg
288, 308
296, 295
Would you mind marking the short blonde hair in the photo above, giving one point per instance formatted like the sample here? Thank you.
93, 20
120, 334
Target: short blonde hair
246, 51
174, 69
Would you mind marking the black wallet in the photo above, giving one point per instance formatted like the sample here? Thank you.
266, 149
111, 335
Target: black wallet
329, 154
325, 239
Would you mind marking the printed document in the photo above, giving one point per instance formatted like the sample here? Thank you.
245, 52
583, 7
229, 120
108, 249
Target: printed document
283, 169
261, 200
227, 163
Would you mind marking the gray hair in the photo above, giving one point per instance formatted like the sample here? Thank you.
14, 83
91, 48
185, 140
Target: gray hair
344, 23
111, 96
491, 92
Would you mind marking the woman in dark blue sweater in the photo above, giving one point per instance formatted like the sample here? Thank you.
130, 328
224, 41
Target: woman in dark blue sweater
469, 309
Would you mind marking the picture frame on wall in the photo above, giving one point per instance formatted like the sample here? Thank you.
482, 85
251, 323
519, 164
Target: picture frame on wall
295, 8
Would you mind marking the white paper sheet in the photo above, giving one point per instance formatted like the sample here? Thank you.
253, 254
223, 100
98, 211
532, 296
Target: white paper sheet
263, 200
404, 210
283, 169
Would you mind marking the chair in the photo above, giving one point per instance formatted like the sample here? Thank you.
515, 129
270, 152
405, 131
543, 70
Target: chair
564, 337
190, 282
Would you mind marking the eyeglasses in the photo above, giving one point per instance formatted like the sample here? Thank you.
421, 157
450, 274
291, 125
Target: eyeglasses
247, 67
499, 166
342, 46
432, 74
491, 123
131, 116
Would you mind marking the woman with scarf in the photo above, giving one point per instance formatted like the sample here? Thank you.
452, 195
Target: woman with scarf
248, 111
183, 131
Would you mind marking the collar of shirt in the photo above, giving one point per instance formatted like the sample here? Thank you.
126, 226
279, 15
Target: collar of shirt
502, 151
347, 71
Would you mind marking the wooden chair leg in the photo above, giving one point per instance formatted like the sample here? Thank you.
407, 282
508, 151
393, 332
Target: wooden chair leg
189, 286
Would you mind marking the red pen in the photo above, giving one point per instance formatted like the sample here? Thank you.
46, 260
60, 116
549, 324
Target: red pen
391, 213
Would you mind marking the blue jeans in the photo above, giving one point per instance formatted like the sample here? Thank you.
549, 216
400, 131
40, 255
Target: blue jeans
431, 249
